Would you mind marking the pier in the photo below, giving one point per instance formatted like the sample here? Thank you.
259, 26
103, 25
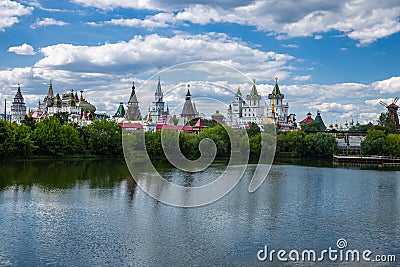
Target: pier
358, 160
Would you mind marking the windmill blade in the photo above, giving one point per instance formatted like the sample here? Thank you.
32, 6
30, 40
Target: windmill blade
395, 100
383, 104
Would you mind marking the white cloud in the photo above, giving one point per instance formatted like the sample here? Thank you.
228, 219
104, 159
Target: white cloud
361, 20
48, 22
302, 78
144, 53
160, 20
290, 45
10, 11
23, 49
391, 85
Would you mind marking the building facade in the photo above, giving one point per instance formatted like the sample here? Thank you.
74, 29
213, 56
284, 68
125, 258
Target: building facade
18, 107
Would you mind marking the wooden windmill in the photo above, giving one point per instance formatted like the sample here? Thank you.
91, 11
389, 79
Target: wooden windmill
392, 109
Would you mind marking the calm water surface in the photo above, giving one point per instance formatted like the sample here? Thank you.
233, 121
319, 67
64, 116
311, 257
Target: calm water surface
91, 213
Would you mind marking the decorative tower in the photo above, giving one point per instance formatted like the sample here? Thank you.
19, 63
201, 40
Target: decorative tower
157, 111
133, 113
188, 110
278, 109
18, 107
49, 99
71, 99
236, 107
254, 98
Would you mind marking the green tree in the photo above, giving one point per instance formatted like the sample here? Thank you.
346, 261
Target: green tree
392, 145
374, 143
105, 138
51, 137
23, 139
313, 126
324, 145
253, 130
386, 121
29, 121
296, 142
7, 139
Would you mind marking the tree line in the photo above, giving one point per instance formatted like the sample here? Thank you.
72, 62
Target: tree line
55, 136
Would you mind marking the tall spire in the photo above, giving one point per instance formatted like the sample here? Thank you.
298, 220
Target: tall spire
238, 93
133, 98
158, 95
276, 92
133, 112
188, 95
254, 89
50, 91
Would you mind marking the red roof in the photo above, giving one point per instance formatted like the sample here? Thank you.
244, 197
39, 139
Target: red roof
307, 120
173, 127
130, 125
199, 123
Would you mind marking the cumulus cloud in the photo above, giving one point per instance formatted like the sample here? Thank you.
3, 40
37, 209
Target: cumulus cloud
160, 20
302, 78
10, 11
48, 22
361, 20
391, 85
144, 53
23, 49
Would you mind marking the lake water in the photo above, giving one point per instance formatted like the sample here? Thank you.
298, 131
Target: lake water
91, 213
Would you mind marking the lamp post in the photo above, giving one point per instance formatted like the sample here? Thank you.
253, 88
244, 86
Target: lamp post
5, 109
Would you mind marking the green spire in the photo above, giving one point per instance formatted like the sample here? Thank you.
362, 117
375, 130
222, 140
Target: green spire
254, 89
276, 90
57, 101
71, 100
276, 93
238, 93
120, 111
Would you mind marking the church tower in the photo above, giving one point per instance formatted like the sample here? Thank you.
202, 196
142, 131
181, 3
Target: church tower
188, 111
279, 110
133, 112
18, 107
49, 99
157, 111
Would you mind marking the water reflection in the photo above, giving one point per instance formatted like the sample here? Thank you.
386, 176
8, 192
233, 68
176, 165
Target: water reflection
62, 174
91, 213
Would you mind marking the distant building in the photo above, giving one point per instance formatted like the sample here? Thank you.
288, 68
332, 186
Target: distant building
318, 119
279, 110
308, 119
256, 110
78, 109
18, 107
158, 112
189, 110
218, 117
133, 112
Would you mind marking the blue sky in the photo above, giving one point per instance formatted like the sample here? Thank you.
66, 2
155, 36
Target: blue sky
340, 57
